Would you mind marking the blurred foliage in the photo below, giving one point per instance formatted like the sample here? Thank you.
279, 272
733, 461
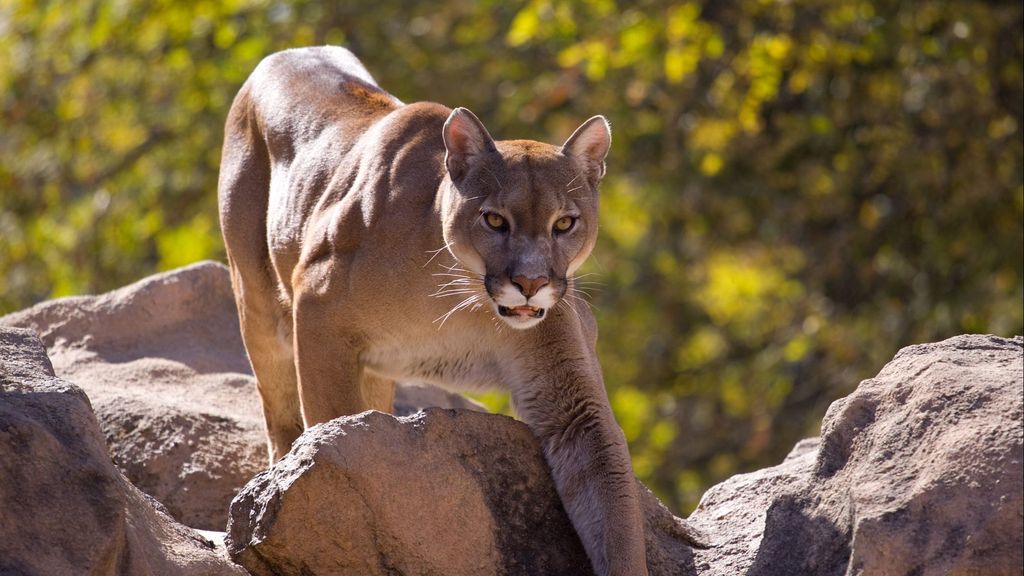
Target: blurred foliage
796, 188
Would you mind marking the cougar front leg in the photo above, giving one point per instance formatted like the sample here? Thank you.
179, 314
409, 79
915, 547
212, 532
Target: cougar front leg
378, 391
327, 362
564, 403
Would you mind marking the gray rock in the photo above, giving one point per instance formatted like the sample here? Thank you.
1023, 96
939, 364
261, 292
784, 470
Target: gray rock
66, 508
919, 471
411, 397
441, 492
163, 363
732, 513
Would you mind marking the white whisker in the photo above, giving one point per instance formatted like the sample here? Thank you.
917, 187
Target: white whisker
578, 299
447, 293
584, 287
571, 308
450, 291
585, 291
454, 268
496, 181
498, 324
458, 286
454, 275
434, 253
460, 306
460, 282
578, 174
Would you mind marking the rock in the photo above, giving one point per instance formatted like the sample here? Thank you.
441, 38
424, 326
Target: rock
732, 513
411, 397
163, 363
919, 471
66, 508
440, 492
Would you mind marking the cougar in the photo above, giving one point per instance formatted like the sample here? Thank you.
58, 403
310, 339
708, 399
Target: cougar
371, 241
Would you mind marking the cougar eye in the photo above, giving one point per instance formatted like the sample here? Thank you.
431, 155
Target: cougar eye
564, 224
495, 221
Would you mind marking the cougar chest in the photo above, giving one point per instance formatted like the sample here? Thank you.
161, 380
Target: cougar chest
445, 364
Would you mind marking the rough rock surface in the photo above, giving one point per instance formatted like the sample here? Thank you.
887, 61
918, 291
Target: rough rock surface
374, 494
163, 364
733, 513
441, 492
919, 471
65, 507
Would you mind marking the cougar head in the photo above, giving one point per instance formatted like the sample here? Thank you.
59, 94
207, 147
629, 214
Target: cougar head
519, 214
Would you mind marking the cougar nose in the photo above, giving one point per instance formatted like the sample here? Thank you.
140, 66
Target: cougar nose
529, 286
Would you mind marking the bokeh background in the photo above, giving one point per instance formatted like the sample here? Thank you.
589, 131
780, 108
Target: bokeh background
796, 189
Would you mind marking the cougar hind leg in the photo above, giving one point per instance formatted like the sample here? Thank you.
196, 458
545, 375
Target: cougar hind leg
243, 192
266, 330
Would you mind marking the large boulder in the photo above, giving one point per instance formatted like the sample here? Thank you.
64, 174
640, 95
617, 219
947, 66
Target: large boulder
919, 471
733, 513
163, 363
66, 509
441, 492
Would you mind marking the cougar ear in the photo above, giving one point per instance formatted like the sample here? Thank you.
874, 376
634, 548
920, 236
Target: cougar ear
590, 143
465, 141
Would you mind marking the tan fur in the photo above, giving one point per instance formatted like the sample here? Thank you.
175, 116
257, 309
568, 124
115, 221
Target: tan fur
360, 253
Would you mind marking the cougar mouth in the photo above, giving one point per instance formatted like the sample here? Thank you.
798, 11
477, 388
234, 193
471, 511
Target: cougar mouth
521, 311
